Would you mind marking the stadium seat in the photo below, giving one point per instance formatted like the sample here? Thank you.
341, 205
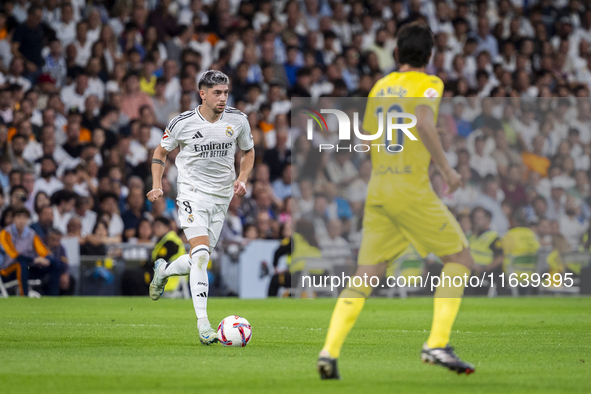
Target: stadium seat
4, 286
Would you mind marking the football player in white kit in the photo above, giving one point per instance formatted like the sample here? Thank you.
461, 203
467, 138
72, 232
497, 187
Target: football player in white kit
207, 137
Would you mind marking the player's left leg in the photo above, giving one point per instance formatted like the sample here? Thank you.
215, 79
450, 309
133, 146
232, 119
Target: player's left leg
202, 240
381, 243
346, 311
199, 282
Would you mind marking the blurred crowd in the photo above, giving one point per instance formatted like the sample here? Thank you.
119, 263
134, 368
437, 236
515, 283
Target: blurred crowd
86, 89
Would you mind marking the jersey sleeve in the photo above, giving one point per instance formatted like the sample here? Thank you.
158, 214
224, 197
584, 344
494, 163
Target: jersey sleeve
169, 140
432, 91
245, 141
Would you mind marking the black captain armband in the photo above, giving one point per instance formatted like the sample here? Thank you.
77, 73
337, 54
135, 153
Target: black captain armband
157, 161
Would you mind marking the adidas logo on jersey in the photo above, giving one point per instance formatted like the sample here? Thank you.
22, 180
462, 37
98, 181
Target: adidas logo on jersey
202, 294
198, 135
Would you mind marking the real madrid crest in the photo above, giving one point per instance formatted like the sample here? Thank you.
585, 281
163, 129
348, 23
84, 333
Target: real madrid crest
229, 131
190, 219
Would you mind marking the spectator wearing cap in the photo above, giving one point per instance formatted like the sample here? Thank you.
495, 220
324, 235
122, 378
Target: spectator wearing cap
74, 95
134, 98
27, 255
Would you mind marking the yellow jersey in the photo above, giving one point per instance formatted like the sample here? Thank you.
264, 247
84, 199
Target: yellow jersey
399, 173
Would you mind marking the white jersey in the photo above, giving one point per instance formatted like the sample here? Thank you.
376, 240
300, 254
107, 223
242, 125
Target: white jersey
205, 162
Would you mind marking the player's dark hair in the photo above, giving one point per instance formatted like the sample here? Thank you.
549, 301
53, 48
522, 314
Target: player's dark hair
213, 77
415, 42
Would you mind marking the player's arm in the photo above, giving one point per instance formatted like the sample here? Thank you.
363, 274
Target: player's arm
158, 161
430, 138
245, 142
246, 164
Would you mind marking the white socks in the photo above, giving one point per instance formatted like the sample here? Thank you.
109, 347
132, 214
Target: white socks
199, 282
179, 267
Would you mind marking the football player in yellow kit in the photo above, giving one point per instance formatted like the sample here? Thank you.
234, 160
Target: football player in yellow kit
402, 208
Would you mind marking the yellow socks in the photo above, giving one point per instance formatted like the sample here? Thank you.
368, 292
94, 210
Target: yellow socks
343, 318
446, 304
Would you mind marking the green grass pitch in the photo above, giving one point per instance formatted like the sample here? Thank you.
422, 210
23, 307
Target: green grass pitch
135, 345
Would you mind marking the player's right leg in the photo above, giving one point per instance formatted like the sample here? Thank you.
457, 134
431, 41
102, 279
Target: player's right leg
431, 228
381, 243
446, 304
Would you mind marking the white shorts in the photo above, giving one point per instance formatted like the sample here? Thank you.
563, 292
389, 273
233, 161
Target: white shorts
202, 218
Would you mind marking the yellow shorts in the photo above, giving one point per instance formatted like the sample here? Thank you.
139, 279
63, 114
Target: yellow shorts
425, 222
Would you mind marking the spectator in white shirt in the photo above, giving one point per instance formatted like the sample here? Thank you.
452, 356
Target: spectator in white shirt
85, 214
483, 164
488, 200
94, 25
138, 150
173, 85
333, 246
448, 149
63, 204
95, 85
33, 149
48, 182
203, 46
83, 44
340, 169
65, 29
109, 208
74, 95
15, 74
572, 224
